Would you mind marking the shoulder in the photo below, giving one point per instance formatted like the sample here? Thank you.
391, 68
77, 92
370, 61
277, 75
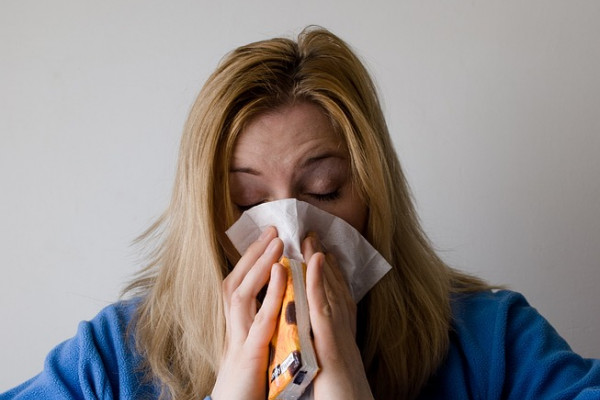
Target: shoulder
482, 315
479, 304
500, 346
100, 361
115, 317
110, 334
105, 345
501, 322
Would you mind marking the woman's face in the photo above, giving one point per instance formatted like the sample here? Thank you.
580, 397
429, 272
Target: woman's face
293, 152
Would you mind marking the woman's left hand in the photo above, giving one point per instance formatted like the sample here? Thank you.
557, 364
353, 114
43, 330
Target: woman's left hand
333, 320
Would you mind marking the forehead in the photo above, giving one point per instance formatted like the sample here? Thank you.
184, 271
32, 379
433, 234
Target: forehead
287, 132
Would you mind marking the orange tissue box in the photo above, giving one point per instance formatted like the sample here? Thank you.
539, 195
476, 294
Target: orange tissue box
292, 361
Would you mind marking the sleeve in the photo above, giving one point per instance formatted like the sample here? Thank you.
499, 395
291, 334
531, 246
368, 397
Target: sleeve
97, 363
537, 363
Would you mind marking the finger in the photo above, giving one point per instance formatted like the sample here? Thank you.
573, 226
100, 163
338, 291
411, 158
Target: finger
333, 275
243, 306
259, 273
264, 323
252, 253
320, 310
311, 245
241, 302
336, 279
338, 293
318, 303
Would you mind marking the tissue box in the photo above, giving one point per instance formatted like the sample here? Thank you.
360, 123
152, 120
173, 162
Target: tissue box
292, 364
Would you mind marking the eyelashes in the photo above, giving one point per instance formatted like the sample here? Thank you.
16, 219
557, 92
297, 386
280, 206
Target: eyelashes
331, 196
321, 197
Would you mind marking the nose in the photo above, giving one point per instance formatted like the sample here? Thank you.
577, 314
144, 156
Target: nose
281, 193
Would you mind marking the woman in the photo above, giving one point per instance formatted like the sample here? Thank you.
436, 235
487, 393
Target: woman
281, 119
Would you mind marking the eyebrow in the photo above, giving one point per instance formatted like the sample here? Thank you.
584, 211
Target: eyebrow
319, 157
244, 170
305, 164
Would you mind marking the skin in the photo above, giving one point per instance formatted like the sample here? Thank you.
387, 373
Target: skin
291, 152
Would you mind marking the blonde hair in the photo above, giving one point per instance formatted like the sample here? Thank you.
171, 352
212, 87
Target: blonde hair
403, 322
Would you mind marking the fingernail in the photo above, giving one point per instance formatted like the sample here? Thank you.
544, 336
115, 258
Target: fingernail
314, 241
271, 246
265, 234
312, 234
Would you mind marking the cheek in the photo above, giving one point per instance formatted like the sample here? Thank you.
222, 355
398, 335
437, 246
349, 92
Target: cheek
357, 217
351, 208
353, 212
356, 212
245, 190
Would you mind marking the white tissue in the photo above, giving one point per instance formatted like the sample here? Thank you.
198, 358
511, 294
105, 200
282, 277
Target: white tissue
361, 264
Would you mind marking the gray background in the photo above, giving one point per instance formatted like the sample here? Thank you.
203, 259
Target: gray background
494, 107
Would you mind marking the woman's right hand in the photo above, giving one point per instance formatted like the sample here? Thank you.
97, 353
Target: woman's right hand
242, 372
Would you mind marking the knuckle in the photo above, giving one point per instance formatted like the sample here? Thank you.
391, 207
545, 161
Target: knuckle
253, 248
227, 286
237, 298
326, 310
260, 318
257, 246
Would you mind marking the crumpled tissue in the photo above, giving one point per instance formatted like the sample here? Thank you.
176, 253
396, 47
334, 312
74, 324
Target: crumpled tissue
360, 263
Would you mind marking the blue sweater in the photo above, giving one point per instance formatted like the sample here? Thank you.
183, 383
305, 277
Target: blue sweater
500, 348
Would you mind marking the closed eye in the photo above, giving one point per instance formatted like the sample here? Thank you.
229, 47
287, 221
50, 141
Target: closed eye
331, 196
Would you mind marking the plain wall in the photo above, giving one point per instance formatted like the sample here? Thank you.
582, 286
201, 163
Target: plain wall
493, 106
